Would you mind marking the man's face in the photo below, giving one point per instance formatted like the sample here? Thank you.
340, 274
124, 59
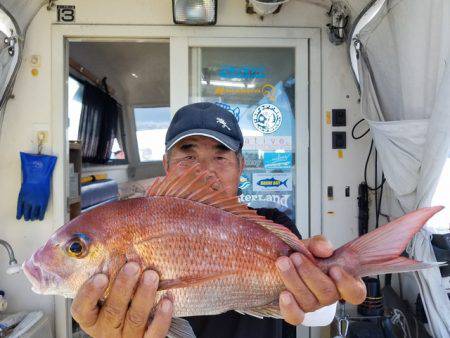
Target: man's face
222, 163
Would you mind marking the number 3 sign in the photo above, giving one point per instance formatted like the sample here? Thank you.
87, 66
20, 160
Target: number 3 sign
66, 13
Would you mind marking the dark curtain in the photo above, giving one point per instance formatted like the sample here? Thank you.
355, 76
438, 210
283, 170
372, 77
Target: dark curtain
98, 124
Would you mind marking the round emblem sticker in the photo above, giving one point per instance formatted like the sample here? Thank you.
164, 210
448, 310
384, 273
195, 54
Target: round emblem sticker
267, 118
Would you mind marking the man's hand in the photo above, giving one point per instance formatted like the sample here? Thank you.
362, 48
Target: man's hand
309, 289
118, 317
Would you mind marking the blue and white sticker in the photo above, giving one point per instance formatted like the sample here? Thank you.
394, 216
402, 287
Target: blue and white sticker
244, 182
253, 160
273, 161
242, 72
235, 111
267, 118
272, 182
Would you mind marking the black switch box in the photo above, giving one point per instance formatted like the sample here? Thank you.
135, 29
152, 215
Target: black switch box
330, 192
339, 139
339, 117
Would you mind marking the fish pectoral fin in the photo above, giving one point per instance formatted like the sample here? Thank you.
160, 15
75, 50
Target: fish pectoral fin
270, 310
180, 328
187, 281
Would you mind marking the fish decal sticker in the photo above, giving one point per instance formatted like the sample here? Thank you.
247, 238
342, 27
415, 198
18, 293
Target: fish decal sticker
272, 182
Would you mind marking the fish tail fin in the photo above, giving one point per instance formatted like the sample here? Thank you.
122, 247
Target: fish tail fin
396, 265
378, 252
285, 183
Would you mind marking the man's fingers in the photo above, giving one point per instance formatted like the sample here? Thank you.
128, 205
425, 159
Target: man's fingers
290, 310
319, 246
318, 282
113, 312
137, 316
160, 324
294, 284
351, 289
84, 307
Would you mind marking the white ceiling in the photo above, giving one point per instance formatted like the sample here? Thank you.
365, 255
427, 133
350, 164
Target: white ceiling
149, 61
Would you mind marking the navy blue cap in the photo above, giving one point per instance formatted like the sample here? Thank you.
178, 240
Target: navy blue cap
205, 119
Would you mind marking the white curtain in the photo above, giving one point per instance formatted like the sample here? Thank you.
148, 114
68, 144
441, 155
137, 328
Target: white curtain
404, 73
23, 11
15, 16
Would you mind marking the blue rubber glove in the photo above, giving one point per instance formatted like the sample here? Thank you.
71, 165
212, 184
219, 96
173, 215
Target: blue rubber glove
36, 175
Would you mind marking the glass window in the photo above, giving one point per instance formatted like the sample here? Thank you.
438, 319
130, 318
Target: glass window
75, 104
151, 128
257, 86
441, 221
117, 152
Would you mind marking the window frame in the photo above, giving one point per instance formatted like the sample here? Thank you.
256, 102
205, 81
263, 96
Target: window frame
152, 105
77, 79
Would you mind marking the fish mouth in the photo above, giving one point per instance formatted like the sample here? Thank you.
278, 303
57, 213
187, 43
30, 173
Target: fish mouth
40, 280
33, 273
44, 282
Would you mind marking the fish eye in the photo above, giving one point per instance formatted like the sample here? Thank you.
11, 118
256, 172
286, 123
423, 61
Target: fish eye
76, 248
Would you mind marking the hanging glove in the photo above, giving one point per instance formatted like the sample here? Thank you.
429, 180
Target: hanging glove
36, 175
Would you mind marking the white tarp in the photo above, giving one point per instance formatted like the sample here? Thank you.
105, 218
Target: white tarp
404, 76
15, 16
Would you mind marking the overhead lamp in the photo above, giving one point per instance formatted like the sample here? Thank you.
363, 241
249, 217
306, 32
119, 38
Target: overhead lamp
265, 7
194, 12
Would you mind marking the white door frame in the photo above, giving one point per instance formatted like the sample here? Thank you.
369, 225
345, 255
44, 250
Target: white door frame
180, 39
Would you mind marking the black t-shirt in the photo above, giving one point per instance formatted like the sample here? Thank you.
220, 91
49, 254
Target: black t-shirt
234, 325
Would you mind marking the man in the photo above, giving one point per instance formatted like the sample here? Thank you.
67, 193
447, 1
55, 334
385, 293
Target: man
208, 135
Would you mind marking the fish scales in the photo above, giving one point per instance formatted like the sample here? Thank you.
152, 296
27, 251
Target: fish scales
203, 241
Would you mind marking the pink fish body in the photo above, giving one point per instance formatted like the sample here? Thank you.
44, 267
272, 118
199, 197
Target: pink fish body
212, 253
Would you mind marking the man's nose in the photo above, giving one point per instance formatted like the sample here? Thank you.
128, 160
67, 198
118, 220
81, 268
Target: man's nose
211, 178
208, 165
205, 164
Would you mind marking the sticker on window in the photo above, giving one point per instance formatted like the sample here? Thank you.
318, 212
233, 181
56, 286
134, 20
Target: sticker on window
267, 118
272, 182
273, 161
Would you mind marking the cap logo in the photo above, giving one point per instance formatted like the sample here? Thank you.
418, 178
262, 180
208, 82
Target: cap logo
223, 123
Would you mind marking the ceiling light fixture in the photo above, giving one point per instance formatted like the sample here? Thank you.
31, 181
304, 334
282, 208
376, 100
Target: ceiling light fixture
194, 12
134, 75
265, 7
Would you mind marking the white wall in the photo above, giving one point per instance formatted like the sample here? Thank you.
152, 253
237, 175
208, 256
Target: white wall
32, 106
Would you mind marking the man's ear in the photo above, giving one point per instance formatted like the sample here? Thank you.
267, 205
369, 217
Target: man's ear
241, 165
165, 163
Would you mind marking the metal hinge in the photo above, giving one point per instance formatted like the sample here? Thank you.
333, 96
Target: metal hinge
10, 43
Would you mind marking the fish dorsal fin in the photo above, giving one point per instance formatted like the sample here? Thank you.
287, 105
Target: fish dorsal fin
192, 184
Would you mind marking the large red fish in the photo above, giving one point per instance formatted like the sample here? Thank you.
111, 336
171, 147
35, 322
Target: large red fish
212, 253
